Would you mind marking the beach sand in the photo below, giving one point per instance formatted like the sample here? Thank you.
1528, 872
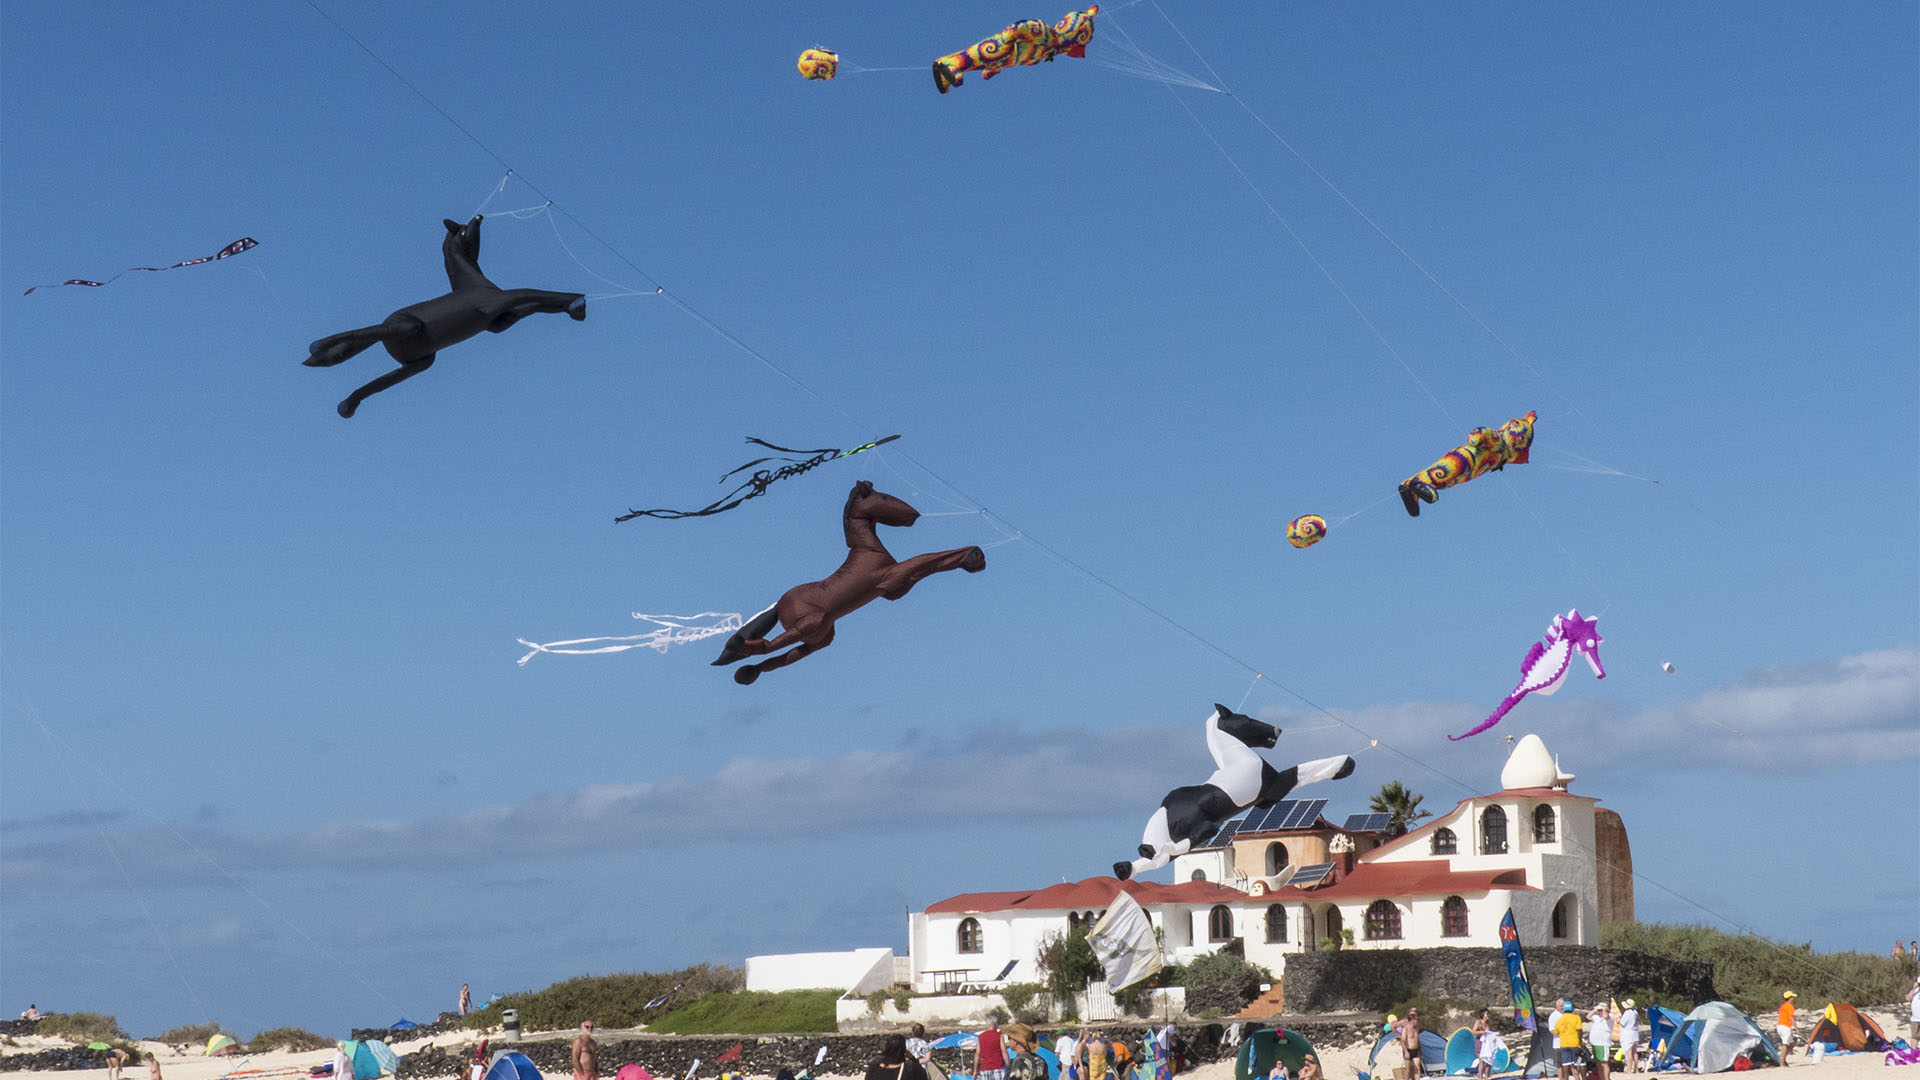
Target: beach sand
1338, 1063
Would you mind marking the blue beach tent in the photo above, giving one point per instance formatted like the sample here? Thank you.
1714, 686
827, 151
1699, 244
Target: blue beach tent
511, 1065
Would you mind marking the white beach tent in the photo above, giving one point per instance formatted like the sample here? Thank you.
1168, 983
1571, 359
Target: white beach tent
1720, 1034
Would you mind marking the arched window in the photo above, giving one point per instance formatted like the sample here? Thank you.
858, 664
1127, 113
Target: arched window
1073, 921
1453, 917
1493, 831
1564, 916
1276, 858
1543, 830
1276, 923
1444, 842
1383, 921
1220, 923
1334, 922
970, 936
1197, 875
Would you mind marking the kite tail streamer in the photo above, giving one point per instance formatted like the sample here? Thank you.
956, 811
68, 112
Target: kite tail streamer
1512, 700
674, 630
757, 483
235, 248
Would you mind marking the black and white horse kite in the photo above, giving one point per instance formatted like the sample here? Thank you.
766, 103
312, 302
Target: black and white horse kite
1241, 778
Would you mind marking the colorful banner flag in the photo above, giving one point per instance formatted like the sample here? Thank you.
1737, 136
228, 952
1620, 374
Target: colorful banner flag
1517, 973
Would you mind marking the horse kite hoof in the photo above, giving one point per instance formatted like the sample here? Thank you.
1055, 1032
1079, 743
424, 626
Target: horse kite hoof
943, 79
1123, 870
346, 408
745, 676
975, 561
577, 311
1407, 500
315, 359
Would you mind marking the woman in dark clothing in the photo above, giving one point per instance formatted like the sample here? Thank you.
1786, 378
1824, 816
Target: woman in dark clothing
894, 1064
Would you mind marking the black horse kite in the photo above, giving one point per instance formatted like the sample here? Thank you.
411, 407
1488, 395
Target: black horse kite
414, 334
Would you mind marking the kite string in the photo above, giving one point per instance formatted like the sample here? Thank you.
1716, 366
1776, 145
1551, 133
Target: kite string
722, 332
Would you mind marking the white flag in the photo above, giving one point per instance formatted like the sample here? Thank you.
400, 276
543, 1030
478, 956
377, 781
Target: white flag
1124, 943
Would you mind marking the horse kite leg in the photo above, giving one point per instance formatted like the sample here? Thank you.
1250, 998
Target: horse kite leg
903, 576
747, 673
407, 370
339, 348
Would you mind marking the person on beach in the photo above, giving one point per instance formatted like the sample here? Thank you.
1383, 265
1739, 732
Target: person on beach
1410, 1043
918, 1048
1566, 1034
1093, 1054
1913, 1014
1485, 1042
1783, 1025
586, 1056
1600, 1038
466, 1000
116, 1060
153, 1067
1025, 1064
895, 1063
1068, 1052
1279, 1070
989, 1056
1629, 1037
1309, 1068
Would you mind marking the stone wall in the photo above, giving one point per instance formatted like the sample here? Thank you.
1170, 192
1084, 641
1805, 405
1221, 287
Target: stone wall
1377, 979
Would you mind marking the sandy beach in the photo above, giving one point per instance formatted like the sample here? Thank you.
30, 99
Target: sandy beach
1340, 1063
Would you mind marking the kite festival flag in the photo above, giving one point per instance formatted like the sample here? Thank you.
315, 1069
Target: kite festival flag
1124, 943
1517, 972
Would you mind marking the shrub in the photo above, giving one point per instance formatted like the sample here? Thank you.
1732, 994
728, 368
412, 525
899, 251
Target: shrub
195, 1034
902, 999
610, 1000
288, 1038
875, 1002
1025, 1002
1223, 983
1751, 972
81, 1027
754, 1012
1067, 962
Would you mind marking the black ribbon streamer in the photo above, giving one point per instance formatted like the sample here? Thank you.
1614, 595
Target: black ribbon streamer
756, 484
234, 248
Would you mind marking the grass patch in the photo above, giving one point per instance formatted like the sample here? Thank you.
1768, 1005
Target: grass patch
1752, 972
81, 1027
608, 1000
288, 1038
754, 1012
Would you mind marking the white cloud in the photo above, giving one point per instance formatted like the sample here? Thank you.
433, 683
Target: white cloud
1799, 717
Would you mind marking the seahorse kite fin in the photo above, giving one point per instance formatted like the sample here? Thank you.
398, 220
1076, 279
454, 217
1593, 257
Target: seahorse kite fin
1546, 664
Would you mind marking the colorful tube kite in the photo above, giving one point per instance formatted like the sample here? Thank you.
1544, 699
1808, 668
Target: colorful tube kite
1306, 530
819, 65
1546, 663
1486, 450
1023, 44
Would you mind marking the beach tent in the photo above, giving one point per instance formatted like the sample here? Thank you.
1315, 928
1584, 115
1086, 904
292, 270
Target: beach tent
1433, 1056
1667, 1038
402, 1024
1720, 1033
222, 1043
1052, 1059
369, 1059
1847, 1028
632, 1072
1257, 1054
513, 1065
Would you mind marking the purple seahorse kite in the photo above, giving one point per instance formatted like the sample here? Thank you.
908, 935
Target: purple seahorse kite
1545, 667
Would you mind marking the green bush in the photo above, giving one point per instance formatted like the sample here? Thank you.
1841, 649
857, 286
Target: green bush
902, 998
195, 1034
288, 1038
754, 1012
81, 1027
1067, 962
1751, 972
1224, 983
1025, 1003
608, 1000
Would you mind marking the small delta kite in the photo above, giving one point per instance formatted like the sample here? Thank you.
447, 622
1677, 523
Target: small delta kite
414, 334
1486, 450
1023, 44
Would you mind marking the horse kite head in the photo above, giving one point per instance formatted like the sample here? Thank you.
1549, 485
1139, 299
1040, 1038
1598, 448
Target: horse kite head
463, 241
1584, 636
864, 503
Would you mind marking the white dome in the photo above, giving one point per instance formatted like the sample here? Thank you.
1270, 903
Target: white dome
1529, 766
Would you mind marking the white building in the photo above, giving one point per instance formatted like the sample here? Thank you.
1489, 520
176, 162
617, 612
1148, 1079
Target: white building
1284, 880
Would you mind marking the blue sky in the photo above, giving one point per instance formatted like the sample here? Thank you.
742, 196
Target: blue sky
267, 755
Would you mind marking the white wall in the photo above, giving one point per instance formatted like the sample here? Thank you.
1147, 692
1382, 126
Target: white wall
859, 971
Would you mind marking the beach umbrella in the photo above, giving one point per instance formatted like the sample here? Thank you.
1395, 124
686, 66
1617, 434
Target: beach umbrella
965, 1040
633, 1072
221, 1041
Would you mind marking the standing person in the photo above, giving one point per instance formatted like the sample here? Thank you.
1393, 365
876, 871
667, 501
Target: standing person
1484, 1044
895, 1063
153, 1067
1093, 1054
918, 1048
1783, 1025
1566, 1035
1600, 1038
1068, 1052
989, 1056
586, 1056
1410, 1043
466, 1000
1025, 1064
1899, 949
1913, 1014
1629, 1037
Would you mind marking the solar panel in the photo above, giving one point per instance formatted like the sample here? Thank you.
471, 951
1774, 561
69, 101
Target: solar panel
1307, 876
1367, 822
1225, 835
1304, 813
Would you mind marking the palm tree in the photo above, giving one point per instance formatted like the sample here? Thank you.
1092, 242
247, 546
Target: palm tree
1404, 805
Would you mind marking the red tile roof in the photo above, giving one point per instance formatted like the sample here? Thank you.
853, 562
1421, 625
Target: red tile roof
1409, 879
1088, 893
